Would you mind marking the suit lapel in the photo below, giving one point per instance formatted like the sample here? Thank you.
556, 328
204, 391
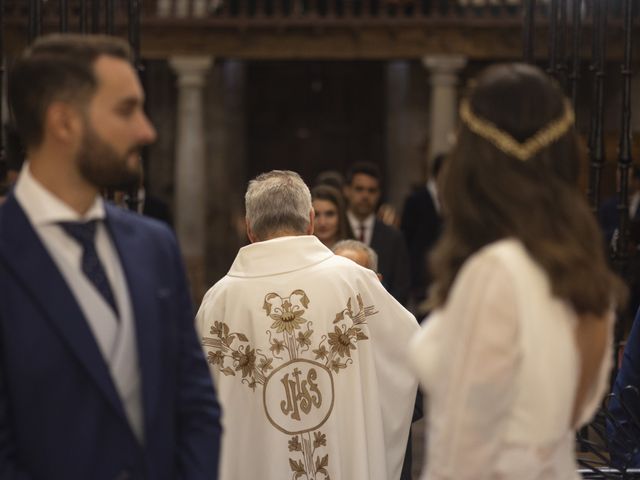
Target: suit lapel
375, 236
138, 266
27, 258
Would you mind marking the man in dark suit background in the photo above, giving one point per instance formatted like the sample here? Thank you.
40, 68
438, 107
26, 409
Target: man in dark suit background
101, 373
623, 421
155, 208
138, 199
609, 219
608, 215
421, 224
362, 191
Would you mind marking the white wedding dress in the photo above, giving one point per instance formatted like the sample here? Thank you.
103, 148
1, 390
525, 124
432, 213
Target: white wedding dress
499, 367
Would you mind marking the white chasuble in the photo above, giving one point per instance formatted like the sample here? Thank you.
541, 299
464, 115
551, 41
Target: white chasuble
308, 354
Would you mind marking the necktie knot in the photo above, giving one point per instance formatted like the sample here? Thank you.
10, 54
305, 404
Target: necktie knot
82, 232
85, 233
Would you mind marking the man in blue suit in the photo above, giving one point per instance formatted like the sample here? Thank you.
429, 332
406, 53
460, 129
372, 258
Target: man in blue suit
623, 423
101, 372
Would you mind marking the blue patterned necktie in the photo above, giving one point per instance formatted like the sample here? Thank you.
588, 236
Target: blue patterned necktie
84, 233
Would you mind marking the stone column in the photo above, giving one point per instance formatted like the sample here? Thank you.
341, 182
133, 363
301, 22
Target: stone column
443, 70
198, 8
407, 117
226, 165
163, 8
190, 196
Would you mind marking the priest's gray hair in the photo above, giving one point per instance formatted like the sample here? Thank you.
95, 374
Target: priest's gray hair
277, 201
358, 246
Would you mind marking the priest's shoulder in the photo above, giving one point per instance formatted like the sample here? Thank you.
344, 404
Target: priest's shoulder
346, 265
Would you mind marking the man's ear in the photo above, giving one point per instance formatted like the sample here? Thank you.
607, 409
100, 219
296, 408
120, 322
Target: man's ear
63, 122
312, 219
252, 237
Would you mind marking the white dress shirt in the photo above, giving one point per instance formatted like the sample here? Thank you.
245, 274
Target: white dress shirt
432, 188
115, 336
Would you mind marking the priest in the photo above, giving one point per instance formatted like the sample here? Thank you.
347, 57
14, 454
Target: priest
307, 351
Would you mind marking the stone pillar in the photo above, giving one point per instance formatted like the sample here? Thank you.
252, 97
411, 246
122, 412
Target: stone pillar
226, 165
190, 196
407, 117
443, 70
184, 8
164, 8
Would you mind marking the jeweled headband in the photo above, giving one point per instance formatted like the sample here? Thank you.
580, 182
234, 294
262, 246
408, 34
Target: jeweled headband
505, 142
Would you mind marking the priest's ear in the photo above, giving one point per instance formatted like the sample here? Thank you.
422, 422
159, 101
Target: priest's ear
312, 218
250, 235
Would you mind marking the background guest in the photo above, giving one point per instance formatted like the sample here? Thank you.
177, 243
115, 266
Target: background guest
363, 191
330, 220
421, 225
359, 252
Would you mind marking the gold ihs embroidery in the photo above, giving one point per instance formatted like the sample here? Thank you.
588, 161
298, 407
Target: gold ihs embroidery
297, 393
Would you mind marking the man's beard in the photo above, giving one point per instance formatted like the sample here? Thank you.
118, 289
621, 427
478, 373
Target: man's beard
363, 209
103, 167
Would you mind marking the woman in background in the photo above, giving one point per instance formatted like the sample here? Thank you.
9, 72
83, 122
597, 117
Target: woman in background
330, 215
515, 357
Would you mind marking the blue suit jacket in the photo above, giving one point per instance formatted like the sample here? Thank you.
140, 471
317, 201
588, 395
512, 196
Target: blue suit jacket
421, 226
60, 415
393, 260
624, 433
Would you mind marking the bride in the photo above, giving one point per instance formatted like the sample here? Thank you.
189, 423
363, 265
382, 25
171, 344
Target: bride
516, 354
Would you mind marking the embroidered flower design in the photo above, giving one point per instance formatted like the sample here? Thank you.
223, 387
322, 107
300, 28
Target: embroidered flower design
215, 357
289, 320
319, 439
295, 445
321, 353
304, 338
276, 346
336, 366
341, 343
220, 329
286, 312
246, 361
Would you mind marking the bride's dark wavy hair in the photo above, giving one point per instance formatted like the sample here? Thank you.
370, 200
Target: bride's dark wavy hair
489, 195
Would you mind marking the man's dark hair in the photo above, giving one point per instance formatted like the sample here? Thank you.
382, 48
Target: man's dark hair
15, 153
366, 168
56, 67
333, 178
